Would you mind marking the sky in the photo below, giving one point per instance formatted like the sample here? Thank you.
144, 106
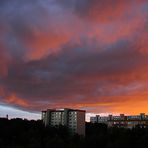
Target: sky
84, 54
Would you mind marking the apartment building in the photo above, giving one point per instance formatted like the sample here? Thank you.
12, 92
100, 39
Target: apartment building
73, 119
122, 120
99, 119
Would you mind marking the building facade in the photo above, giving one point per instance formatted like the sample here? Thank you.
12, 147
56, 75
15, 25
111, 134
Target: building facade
122, 120
73, 119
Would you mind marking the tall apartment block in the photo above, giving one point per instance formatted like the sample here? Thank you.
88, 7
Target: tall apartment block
122, 120
73, 119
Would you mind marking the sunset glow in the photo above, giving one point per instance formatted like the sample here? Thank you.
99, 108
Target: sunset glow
84, 54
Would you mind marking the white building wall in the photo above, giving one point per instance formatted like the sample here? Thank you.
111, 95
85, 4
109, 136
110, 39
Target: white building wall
73, 119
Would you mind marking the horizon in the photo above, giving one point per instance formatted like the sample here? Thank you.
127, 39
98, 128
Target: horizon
16, 113
90, 55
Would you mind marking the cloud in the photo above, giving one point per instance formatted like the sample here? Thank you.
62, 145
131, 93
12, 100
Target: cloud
102, 11
88, 54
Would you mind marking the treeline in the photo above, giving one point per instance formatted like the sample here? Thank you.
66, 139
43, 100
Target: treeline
18, 133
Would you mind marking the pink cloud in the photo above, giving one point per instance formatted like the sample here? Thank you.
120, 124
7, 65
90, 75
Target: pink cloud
92, 56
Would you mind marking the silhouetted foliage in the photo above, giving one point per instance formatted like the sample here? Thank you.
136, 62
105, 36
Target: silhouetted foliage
18, 133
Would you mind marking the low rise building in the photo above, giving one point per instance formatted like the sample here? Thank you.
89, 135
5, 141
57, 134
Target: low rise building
122, 120
73, 119
99, 119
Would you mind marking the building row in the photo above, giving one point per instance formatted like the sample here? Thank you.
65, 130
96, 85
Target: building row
73, 119
122, 120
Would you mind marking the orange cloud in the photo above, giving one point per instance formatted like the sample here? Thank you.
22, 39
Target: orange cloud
16, 101
79, 54
136, 105
43, 44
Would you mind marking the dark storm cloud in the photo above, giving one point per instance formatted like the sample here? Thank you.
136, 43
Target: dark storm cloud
70, 74
57, 53
100, 10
